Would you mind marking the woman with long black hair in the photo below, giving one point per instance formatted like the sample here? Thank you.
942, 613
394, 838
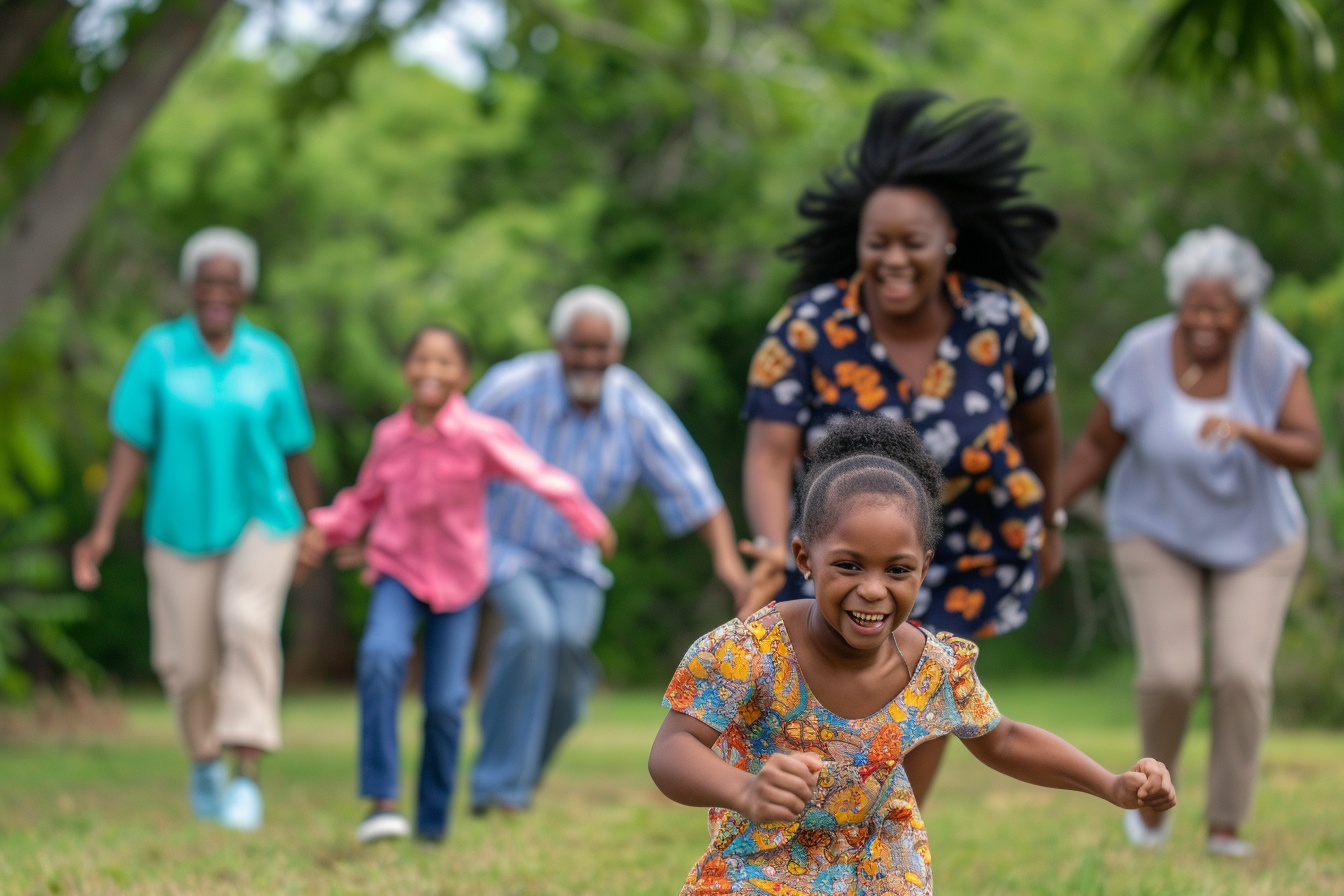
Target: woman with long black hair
909, 304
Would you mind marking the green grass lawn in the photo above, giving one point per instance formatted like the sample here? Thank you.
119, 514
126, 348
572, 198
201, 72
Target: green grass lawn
109, 816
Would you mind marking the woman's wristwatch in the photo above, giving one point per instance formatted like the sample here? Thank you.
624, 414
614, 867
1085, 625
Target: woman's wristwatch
1057, 520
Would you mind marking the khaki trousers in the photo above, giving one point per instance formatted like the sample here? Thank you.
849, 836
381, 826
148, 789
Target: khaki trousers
1169, 598
215, 639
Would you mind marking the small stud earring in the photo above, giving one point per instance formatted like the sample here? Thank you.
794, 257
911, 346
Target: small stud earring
807, 576
951, 248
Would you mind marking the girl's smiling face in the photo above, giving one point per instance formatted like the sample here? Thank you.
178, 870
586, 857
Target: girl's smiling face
434, 370
868, 569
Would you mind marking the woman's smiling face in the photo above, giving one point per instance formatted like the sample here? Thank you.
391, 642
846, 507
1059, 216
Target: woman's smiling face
868, 569
904, 233
217, 294
1209, 317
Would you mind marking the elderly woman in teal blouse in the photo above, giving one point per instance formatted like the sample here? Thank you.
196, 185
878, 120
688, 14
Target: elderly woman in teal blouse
1202, 415
215, 407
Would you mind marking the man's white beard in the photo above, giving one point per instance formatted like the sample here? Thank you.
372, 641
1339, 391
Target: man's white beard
584, 388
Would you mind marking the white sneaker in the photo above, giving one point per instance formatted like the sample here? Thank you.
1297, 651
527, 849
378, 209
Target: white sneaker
1139, 834
383, 826
242, 807
1231, 847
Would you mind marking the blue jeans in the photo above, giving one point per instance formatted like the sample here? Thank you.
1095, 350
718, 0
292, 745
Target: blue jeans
389, 638
541, 672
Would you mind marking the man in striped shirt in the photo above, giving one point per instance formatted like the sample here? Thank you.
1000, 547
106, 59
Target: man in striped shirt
583, 411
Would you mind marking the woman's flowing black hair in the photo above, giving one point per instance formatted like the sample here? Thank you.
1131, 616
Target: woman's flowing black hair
971, 160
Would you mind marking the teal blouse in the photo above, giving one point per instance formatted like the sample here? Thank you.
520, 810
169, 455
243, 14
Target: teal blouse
217, 429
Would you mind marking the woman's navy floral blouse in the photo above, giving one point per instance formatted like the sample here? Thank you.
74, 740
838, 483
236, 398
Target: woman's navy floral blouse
819, 361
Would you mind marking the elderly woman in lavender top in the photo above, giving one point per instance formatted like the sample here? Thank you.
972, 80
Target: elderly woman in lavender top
1202, 416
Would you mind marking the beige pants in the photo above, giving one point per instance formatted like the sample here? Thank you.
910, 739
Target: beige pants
1169, 598
215, 629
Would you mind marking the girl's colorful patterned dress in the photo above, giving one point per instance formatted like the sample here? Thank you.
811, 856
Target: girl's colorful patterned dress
862, 834
819, 361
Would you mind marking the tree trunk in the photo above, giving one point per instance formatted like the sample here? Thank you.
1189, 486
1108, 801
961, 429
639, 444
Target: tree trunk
54, 212
22, 24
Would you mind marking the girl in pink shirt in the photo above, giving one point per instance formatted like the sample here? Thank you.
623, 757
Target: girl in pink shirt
421, 494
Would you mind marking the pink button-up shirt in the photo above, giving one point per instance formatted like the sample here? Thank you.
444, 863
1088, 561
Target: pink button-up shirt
423, 489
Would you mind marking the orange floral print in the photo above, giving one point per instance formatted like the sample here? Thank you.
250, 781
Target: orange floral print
780, 316
866, 382
954, 289
938, 379
965, 601
887, 745
838, 334
954, 487
1014, 533
851, 301
682, 691
983, 347
988, 630
1026, 321
995, 436
827, 391
975, 460
771, 361
802, 335
960, 401
871, 399
983, 562
1024, 487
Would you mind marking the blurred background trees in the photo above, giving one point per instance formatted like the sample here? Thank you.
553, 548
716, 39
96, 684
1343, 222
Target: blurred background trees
656, 148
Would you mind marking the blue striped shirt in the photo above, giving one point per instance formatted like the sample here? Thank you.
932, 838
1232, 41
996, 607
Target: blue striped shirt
631, 437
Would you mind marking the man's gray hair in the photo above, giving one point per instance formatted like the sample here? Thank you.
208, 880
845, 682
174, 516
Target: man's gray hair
216, 242
1217, 253
590, 300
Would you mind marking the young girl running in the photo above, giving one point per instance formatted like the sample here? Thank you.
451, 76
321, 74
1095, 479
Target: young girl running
792, 724
423, 487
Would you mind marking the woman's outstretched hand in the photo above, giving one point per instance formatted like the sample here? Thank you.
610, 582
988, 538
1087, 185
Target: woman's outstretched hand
766, 576
312, 548
1147, 784
781, 790
88, 553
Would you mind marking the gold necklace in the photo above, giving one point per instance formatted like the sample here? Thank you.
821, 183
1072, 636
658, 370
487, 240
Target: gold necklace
908, 671
1193, 374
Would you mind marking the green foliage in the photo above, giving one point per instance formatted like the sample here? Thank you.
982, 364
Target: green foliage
1310, 678
35, 606
658, 149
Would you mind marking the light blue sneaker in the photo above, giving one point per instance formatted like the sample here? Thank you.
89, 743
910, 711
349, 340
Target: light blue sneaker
206, 789
242, 805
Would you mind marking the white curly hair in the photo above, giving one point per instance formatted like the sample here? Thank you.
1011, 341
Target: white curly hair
1217, 253
213, 242
590, 300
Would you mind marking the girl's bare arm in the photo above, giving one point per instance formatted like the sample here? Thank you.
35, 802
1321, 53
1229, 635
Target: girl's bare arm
686, 770
1038, 757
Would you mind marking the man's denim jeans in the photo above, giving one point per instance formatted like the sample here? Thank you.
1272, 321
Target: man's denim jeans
541, 672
